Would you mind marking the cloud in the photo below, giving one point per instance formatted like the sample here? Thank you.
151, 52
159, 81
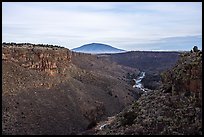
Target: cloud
185, 43
118, 24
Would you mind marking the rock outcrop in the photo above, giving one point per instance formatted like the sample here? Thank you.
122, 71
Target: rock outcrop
186, 76
38, 58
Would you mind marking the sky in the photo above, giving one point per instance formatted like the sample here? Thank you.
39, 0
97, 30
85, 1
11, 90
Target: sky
124, 25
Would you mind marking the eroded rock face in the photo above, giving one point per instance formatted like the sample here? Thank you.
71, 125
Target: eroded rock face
38, 58
186, 76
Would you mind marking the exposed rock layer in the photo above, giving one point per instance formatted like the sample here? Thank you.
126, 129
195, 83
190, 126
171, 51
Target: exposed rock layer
38, 58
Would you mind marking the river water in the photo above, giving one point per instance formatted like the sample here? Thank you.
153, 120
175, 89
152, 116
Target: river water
138, 83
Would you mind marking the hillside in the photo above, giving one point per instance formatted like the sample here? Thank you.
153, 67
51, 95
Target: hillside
146, 60
97, 48
150, 62
174, 109
53, 91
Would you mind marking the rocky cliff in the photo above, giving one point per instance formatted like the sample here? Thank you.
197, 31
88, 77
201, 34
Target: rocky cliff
186, 76
38, 58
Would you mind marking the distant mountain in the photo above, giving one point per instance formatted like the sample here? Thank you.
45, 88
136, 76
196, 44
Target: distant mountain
97, 48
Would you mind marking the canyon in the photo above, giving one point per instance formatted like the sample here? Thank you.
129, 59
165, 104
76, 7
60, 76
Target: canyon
51, 90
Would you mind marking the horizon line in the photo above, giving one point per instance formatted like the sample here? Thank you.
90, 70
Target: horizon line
154, 50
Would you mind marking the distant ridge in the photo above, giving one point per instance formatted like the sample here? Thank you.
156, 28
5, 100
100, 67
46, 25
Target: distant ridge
97, 48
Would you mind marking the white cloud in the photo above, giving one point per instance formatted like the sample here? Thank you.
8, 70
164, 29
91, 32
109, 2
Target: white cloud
117, 24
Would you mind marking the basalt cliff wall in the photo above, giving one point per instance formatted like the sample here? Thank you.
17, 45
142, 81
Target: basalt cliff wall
45, 59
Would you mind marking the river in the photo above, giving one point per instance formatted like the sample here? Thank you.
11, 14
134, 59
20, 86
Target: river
138, 83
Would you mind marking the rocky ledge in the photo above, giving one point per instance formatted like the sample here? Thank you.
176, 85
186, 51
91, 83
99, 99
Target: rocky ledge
42, 58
